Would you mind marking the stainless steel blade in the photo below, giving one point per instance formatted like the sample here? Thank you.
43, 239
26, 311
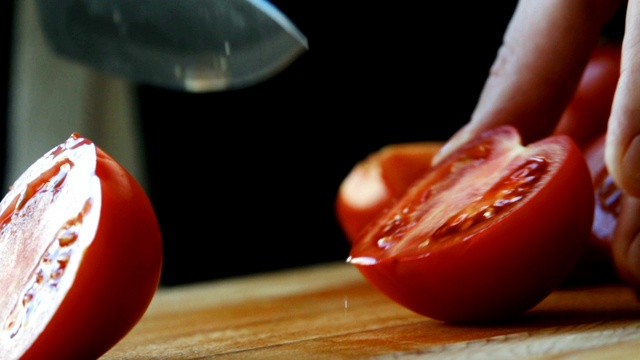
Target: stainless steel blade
191, 45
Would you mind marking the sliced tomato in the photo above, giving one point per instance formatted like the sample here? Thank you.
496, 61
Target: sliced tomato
377, 181
596, 265
81, 253
487, 233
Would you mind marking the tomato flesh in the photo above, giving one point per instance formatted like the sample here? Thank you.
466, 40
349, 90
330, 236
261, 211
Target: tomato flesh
377, 181
487, 233
81, 251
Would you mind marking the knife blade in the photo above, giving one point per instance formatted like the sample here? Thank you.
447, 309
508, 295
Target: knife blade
188, 45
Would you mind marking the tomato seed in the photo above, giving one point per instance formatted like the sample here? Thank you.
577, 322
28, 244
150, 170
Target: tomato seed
39, 277
397, 227
56, 274
508, 191
26, 299
67, 235
14, 321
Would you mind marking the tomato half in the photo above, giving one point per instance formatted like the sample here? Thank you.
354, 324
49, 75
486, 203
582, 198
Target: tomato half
378, 180
81, 253
487, 233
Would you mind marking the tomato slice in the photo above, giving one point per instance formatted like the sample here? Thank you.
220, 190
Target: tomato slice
378, 180
81, 253
487, 233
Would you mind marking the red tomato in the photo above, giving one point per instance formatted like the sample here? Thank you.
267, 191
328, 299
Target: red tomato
584, 119
378, 180
487, 233
596, 265
81, 253
586, 115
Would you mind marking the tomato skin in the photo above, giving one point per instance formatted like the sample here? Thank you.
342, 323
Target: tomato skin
586, 116
374, 183
585, 120
497, 271
596, 265
116, 279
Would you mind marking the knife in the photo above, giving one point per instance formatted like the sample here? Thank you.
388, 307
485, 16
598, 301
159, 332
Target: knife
187, 45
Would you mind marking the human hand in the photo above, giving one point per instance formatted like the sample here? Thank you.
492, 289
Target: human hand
545, 50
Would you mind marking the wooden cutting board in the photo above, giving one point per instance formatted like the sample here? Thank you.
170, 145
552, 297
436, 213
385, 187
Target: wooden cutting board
330, 312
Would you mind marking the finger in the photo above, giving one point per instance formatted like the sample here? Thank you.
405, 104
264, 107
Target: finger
545, 49
622, 148
626, 241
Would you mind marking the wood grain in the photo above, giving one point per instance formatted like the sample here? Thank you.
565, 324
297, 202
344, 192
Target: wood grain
331, 312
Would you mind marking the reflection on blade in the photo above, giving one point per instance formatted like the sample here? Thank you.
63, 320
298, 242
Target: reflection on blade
192, 45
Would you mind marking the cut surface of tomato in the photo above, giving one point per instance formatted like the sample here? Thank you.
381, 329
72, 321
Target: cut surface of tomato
81, 253
377, 181
487, 233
